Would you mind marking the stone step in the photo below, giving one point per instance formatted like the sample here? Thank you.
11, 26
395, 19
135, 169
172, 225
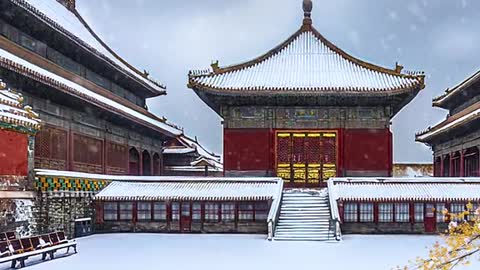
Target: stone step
316, 229
304, 238
310, 233
312, 208
306, 205
297, 224
304, 197
303, 228
304, 217
306, 210
321, 236
306, 214
284, 217
288, 194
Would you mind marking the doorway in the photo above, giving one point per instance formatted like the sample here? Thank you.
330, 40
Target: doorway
186, 217
430, 221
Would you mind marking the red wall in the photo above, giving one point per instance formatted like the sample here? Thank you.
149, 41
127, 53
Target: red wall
13, 153
361, 152
248, 149
367, 150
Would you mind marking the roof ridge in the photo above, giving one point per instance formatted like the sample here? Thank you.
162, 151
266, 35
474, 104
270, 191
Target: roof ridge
395, 72
35, 75
110, 50
438, 100
306, 28
449, 120
27, 6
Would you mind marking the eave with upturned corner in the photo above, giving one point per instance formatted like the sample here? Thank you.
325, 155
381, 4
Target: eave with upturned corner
391, 86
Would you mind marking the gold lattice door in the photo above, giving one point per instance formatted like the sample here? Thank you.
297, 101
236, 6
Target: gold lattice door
306, 158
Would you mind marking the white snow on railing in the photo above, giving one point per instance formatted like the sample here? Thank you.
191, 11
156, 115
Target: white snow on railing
272, 215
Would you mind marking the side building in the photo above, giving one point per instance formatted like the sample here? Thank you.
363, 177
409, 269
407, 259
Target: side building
306, 110
18, 126
456, 140
185, 156
92, 102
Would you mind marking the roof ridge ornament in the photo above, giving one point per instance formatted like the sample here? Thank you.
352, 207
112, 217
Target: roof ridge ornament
307, 12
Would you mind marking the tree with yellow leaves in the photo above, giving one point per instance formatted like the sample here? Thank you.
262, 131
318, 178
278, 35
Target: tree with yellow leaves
461, 242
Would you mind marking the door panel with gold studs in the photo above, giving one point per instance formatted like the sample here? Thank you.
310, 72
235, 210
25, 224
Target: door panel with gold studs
306, 158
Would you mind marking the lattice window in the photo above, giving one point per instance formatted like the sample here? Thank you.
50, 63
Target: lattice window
211, 212
116, 155
457, 209
42, 143
419, 212
87, 150
329, 168
402, 212
350, 212
283, 148
313, 149
175, 211
439, 210
144, 211
126, 210
385, 212
261, 211
197, 211
228, 212
58, 144
110, 211
160, 211
329, 148
366, 212
298, 148
245, 211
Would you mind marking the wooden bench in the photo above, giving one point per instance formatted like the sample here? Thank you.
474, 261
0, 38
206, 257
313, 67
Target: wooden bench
4, 249
4, 236
17, 251
11, 235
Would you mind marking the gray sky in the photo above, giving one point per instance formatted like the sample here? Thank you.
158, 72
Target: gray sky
168, 38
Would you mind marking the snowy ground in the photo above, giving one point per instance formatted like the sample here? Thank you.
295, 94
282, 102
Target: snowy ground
168, 251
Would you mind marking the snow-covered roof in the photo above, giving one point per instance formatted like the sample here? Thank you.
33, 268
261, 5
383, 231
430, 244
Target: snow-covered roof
305, 63
193, 143
14, 114
220, 189
72, 25
22, 66
438, 101
418, 189
215, 164
189, 145
465, 116
178, 150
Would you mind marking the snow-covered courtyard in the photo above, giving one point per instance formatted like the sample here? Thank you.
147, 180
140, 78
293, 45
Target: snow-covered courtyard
169, 251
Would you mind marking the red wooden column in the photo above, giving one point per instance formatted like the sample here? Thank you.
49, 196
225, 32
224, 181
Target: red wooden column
104, 154
477, 169
452, 171
140, 162
462, 163
442, 169
152, 169
375, 212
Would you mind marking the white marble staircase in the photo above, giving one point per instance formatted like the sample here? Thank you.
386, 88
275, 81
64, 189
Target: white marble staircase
304, 216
